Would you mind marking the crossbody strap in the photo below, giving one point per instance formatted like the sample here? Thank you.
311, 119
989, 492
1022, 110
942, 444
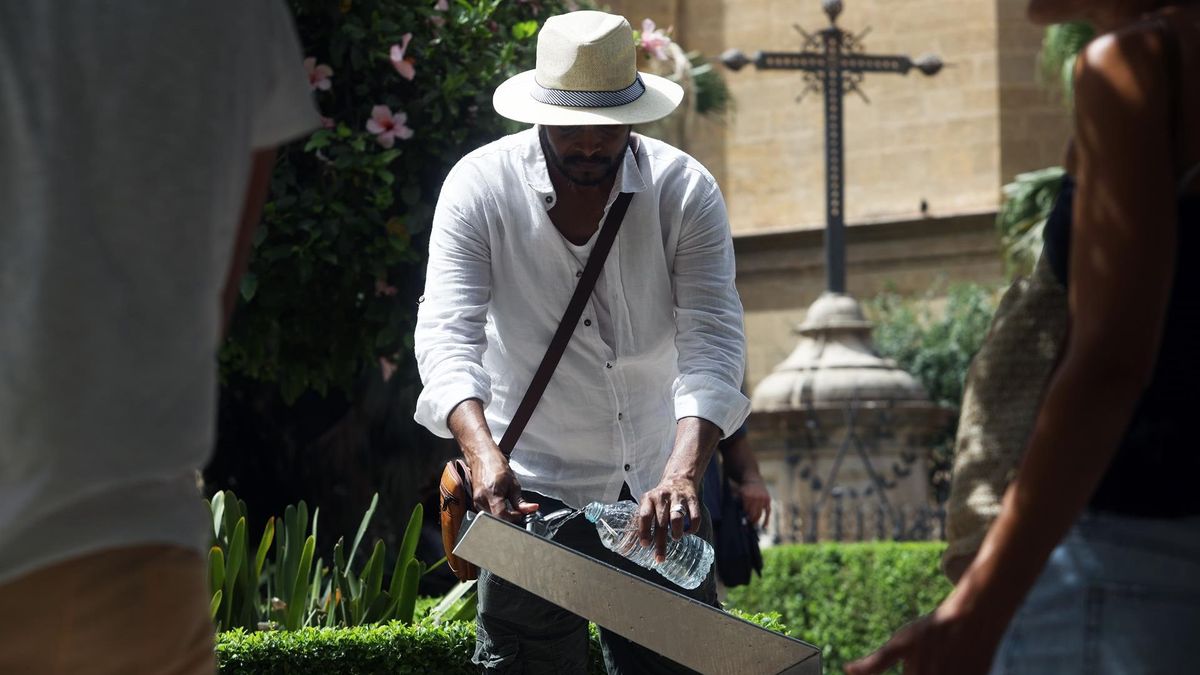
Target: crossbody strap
566, 327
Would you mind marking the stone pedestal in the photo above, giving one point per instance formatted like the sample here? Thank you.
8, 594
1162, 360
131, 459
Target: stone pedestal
843, 436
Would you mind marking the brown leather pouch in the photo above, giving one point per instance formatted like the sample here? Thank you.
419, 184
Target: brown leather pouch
456, 500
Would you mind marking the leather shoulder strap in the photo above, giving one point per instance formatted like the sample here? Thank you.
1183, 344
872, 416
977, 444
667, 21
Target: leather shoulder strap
566, 327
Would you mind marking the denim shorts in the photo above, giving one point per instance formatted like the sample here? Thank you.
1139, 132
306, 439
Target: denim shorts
1120, 595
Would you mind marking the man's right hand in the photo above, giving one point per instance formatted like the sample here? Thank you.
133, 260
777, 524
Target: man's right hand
495, 487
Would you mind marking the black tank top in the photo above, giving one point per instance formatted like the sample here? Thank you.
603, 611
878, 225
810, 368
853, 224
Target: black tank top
1156, 470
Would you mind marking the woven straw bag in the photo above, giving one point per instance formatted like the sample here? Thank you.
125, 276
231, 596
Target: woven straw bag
1000, 403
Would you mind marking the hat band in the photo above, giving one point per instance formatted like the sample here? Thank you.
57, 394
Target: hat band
589, 99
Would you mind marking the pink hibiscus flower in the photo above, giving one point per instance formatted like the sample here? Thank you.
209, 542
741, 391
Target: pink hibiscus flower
382, 287
387, 368
654, 41
318, 75
388, 126
404, 66
441, 6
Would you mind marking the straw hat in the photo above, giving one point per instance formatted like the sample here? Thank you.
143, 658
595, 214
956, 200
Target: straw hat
586, 74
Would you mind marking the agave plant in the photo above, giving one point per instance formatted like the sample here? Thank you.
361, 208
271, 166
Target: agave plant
292, 590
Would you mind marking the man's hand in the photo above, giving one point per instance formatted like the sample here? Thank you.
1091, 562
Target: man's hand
494, 486
672, 505
756, 501
496, 489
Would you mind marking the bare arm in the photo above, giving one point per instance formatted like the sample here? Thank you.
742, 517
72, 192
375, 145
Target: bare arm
496, 489
256, 196
1122, 266
695, 440
741, 466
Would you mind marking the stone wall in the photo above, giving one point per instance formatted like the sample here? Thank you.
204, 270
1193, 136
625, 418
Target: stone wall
780, 274
950, 141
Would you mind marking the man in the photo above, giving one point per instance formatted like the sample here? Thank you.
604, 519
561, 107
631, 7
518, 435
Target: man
650, 379
133, 139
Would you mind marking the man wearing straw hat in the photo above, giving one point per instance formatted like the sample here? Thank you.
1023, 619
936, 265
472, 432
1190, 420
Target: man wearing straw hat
649, 381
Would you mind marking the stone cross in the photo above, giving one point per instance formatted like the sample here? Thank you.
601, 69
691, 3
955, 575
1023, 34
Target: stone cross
833, 62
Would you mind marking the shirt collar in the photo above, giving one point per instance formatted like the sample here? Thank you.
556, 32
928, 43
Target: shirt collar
537, 172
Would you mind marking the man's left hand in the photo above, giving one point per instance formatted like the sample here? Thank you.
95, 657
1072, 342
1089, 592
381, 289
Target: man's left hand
672, 505
756, 501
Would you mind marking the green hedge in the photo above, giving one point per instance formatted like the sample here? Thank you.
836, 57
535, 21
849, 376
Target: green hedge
394, 649
846, 599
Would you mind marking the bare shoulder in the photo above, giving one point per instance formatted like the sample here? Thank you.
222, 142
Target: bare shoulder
1125, 67
1129, 60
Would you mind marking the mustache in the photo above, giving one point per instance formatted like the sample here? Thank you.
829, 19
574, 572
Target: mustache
579, 160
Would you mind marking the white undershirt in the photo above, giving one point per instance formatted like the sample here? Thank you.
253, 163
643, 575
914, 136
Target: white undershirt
599, 292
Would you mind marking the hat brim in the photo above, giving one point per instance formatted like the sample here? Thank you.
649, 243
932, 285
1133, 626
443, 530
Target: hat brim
514, 101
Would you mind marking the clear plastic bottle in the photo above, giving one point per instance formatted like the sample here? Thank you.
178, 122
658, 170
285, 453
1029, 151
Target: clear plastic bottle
687, 561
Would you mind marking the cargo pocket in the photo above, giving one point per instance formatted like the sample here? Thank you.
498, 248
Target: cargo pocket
495, 655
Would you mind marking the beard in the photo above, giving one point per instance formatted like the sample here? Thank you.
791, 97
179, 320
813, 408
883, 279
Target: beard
580, 170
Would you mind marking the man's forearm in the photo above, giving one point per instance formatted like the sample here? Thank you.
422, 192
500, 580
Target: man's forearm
739, 462
470, 428
695, 440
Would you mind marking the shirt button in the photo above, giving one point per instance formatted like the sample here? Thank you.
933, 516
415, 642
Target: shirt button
627, 467
608, 364
620, 416
587, 322
549, 199
578, 273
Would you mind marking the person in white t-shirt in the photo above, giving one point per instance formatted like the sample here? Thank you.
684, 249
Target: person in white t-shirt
136, 144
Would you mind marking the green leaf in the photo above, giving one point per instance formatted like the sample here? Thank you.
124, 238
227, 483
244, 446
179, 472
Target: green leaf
362, 530
216, 568
264, 545
218, 512
441, 561
295, 609
412, 533
215, 605
260, 234
524, 30
318, 140
372, 575
249, 286
450, 601
407, 599
237, 557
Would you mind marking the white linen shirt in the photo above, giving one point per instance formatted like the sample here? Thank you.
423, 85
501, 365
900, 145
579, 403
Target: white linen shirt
500, 276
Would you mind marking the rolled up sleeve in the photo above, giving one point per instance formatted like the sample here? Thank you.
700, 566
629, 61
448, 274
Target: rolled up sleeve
709, 338
450, 336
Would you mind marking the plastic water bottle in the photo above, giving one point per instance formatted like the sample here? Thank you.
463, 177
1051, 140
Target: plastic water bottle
687, 561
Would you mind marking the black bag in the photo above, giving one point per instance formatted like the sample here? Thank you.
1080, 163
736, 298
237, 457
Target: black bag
736, 541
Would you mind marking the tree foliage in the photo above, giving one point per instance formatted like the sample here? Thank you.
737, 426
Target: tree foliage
338, 258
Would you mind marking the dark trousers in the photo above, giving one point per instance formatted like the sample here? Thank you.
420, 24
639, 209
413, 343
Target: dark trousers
518, 632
